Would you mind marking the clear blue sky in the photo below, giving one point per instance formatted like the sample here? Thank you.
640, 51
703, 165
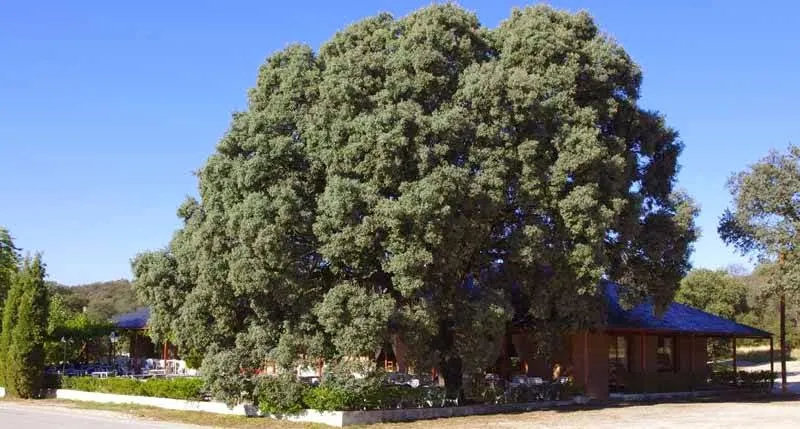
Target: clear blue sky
107, 107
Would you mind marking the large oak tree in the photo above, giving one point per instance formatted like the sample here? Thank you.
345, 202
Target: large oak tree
408, 180
765, 223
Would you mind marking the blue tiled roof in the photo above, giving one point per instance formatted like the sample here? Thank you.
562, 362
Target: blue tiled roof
678, 318
134, 320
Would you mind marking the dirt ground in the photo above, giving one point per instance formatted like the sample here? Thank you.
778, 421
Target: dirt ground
776, 414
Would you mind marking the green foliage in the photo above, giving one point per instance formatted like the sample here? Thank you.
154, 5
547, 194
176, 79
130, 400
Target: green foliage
327, 398
280, 395
101, 300
193, 359
766, 215
750, 380
25, 332
10, 316
365, 183
766, 211
668, 382
9, 258
356, 320
716, 292
86, 336
356, 393
226, 378
173, 388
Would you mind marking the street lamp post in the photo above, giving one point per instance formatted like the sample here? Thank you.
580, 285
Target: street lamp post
64, 362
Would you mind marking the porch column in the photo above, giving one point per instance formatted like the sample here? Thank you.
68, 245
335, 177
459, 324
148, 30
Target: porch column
734, 356
586, 359
772, 362
642, 365
505, 358
691, 362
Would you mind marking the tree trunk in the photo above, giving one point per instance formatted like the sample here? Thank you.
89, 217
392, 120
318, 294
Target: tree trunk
452, 371
783, 341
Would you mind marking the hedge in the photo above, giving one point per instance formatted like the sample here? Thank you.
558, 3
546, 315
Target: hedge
667, 382
173, 388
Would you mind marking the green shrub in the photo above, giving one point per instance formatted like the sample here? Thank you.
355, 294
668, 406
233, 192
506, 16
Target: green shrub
280, 395
172, 388
750, 380
369, 397
327, 398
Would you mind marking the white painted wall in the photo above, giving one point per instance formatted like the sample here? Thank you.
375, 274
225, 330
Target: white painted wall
331, 418
170, 404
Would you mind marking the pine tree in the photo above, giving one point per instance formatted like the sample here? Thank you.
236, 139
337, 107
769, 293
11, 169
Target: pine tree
24, 331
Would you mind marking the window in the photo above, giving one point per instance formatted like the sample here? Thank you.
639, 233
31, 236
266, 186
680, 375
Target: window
617, 363
665, 354
618, 352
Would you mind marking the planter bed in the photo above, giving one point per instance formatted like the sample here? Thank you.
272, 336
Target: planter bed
170, 404
332, 418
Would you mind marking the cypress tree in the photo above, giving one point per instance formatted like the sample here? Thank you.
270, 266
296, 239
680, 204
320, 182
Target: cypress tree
9, 320
8, 266
24, 331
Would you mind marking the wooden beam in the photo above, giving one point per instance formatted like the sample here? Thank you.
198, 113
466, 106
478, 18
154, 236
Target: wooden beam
734, 357
691, 361
642, 365
586, 359
772, 362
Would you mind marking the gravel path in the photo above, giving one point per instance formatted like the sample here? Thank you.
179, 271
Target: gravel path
775, 415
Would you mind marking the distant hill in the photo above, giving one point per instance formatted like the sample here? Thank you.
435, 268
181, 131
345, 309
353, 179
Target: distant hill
101, 300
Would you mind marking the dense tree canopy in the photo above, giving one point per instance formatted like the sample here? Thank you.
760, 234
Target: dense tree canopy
714, 291
765, 219
100, 300
365, 183
765, 222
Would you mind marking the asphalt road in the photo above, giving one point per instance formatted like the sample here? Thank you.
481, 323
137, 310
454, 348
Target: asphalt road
14, 416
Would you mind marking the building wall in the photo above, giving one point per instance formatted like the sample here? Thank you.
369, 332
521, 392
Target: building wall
686, 351
590, 363
701, 355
